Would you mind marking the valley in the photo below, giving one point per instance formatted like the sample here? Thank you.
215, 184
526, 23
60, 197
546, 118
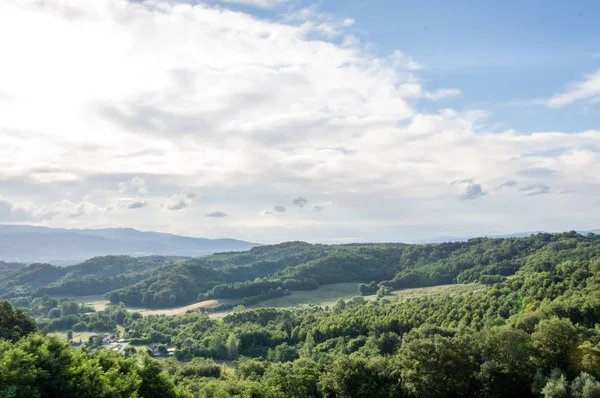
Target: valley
374, 311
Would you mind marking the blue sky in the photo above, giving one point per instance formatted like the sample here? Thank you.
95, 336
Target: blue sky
500, 54
328, 121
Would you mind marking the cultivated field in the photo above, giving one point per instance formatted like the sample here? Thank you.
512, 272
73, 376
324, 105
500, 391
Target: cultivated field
441, 290
98, 302
323, 296
178, 310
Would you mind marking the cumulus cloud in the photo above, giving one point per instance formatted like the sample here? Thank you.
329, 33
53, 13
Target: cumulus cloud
536, 189
10, 212
300, 201
587, 89
216, 214
257, 3
442, 93
468, 189
349, 126
179, 201
317, 208
273, 210
138, 204
403, 61
536, 172
135, 185
507, 184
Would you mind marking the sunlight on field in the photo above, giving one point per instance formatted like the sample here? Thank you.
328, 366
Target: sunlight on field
98, 302
77, 336
178, 310
432, 291
323, 296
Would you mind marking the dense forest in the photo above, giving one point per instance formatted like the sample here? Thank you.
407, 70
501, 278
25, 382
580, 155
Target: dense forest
531, 332
269, 271
95, 276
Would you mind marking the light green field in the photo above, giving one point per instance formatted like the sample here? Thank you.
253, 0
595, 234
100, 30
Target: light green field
441, 290
323, 296
96, 301
178, 310
84, 336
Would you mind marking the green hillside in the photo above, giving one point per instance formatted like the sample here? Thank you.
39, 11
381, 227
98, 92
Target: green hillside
95, 276
273, 271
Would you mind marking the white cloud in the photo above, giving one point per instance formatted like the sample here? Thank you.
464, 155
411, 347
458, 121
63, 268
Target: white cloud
138, 204
25, 212
160, 97
587, 89
257, 3
273, 210
442, 93
179, 201
135, 185
300, 201
403, 61
469, 189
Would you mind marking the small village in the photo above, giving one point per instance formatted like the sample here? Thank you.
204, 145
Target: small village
114, 343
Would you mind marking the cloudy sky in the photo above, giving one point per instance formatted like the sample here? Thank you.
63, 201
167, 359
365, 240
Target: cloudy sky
272, 120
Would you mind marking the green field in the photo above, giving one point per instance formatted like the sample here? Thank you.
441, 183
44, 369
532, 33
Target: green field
441, 290
98, 302
84, 336
323, 296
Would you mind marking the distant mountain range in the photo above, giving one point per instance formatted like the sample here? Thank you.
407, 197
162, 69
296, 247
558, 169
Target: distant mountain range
28, 244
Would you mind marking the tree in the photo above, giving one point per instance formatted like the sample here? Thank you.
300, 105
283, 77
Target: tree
506, 369
340, 305
247, 368
162, 349
585, 386
309, 345
557, 386
14, 322
356, 377
283, 353
232, 344
438, 366
293, 379
555, 341
129, 351
70, 335
155, 383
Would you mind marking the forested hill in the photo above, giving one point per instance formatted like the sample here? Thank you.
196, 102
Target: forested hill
10, 267
271, 271
95, 276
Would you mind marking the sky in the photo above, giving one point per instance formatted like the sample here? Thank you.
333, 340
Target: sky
274, 120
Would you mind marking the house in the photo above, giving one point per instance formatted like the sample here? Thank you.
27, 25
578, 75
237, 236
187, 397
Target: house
155, 351
109, 339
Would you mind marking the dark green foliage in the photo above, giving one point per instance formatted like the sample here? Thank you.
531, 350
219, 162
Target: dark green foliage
96, 276
268, 271
44, 366
14, 322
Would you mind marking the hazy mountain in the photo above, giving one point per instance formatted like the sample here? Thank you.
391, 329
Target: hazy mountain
26, 243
